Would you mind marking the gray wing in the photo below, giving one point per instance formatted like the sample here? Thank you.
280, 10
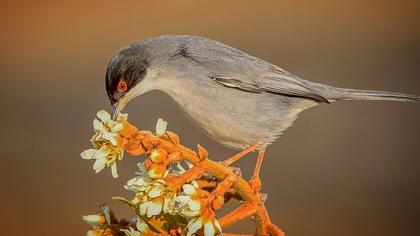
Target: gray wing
236, 69
272, 84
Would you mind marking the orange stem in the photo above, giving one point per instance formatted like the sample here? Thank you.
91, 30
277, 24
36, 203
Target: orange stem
252, 204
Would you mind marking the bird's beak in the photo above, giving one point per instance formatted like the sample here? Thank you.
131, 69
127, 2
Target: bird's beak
115, 111
118, 106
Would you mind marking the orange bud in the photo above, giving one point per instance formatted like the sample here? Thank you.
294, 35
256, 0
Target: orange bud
202, 153
157, 171
147, 143
174, 138
129, 130
148, 163
218, 202
158, 156
135, 149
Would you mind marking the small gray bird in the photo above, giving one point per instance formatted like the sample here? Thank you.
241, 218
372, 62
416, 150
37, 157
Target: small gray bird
238, 100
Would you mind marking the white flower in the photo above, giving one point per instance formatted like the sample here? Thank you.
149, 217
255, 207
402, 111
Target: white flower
211, 227
189, 201
161, 126
151, 207
107, 129
170, 205
150, 193
140, 182
105, 141
153, 198
137, 184
106, 155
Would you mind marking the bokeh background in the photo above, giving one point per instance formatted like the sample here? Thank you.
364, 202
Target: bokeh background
350, 168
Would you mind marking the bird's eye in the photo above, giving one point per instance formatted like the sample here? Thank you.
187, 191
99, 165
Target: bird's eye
122, 86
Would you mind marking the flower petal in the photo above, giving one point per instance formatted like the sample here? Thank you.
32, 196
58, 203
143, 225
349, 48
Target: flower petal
142, 169
194, 205
110, 137
183, 199
161, 126
134, 183
103, 115
100, 154
143, 208
88, 154
217, 225
93, 220
190, 213
194, 226
120, 154
181, 169
167, 205
155, 192
189, 189
118, 127
208, 229
98, 126
189, 164
195, 184
154, 209
141, 225
114, 170
99, 165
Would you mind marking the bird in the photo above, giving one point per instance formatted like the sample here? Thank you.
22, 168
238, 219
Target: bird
239, 100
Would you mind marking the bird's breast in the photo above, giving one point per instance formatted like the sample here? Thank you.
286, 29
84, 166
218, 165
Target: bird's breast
231, 117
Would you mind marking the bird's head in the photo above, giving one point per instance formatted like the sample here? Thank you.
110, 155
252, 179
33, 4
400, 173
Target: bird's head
125, 77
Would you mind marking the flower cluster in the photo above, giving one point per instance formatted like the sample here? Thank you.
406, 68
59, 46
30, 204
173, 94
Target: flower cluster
106, 142
176, 190
104, 223
153, 198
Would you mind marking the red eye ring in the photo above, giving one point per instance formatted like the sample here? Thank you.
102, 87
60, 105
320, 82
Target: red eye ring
122, 86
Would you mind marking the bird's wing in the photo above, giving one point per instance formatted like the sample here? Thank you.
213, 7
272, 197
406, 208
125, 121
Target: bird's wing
271, 83
287, 85
234, 68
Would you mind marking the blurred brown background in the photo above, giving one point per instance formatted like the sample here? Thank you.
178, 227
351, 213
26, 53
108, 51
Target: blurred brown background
350, 168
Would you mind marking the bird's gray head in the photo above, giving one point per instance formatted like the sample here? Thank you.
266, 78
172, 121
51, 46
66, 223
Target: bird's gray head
125, 71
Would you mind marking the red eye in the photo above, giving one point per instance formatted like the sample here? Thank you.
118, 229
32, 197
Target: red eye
122, 86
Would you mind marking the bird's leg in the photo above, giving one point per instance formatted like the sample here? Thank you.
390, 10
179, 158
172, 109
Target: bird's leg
239, 155
255, 181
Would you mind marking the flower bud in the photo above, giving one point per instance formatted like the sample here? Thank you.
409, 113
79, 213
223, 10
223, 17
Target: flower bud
158, 156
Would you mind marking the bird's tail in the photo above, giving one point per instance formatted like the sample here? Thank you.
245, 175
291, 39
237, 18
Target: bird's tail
338, 94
